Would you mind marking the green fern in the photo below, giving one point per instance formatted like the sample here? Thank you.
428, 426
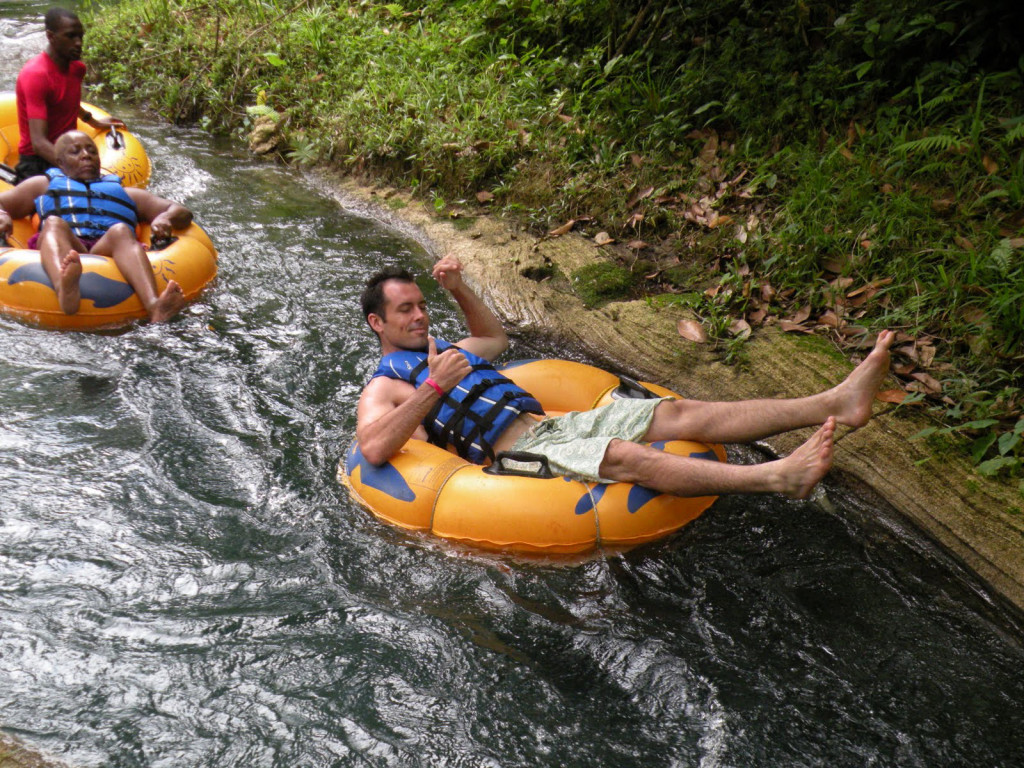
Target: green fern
939, 143
943, 98
1016, 133
262, 110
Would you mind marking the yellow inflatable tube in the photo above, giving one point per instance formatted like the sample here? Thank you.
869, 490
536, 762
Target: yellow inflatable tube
120, 151
108, 301
426, 488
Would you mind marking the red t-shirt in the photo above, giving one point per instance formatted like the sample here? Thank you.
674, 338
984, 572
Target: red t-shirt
46, 93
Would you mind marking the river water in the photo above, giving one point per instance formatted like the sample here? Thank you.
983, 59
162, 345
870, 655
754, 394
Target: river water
183, 583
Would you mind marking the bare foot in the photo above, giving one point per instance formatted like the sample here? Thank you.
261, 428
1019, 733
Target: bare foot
855, 395
803, 468
69, 295
167, 304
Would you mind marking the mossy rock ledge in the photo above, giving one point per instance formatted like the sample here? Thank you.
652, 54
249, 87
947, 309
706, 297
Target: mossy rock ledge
976, 520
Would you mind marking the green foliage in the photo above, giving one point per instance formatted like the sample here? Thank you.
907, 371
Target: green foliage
883, 138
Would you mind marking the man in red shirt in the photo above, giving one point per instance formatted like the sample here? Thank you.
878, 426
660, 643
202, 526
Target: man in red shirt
49, 94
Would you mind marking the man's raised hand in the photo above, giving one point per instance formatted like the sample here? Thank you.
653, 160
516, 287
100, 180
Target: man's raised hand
448, 272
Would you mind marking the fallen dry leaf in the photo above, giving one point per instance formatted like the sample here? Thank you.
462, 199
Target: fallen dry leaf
891, 396
640, 195
830, 318
637, 245
870, 287
991, 166
603, 238
974, 315
710, 149
790, 327
740, 328
801, 315
933, 384
483, 196
757, 316
564, 229
963, 242
909, 351
842, 283
692, 330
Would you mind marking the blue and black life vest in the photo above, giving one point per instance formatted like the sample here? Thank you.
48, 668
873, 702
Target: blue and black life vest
475, 413
90, 207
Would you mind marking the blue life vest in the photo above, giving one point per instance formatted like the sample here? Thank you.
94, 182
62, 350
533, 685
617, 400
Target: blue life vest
90, 207
475, 413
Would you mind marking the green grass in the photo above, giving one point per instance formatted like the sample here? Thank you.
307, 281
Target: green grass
772, 155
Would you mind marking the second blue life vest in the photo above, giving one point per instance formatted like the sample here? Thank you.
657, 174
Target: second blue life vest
475, 413
90, 207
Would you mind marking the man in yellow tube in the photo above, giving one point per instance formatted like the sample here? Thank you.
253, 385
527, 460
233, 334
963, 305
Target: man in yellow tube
427, 388
49, 94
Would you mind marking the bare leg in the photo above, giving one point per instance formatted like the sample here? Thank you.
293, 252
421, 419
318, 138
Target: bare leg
740, 422
69, 293
119, 242
58, 252
795, 475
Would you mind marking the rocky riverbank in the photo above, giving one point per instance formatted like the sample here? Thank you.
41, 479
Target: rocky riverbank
522, 277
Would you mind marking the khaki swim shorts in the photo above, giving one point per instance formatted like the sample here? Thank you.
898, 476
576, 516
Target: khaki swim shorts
575, 444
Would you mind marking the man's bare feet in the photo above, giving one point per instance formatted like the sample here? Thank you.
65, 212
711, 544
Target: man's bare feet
803, 468
855, 395
168, 303
69, 294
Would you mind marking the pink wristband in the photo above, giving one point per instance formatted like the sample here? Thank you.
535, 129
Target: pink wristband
436, 386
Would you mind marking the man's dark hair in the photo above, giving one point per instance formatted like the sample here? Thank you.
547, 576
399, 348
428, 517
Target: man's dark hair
372, 298
53, 18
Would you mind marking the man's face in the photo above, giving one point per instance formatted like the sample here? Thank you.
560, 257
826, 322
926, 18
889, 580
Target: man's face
66, 40
79, 158
405, 324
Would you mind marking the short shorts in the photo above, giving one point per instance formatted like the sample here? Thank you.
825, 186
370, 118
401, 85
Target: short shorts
575, 444
88, 242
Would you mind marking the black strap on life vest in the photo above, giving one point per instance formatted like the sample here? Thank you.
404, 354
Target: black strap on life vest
60, 209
